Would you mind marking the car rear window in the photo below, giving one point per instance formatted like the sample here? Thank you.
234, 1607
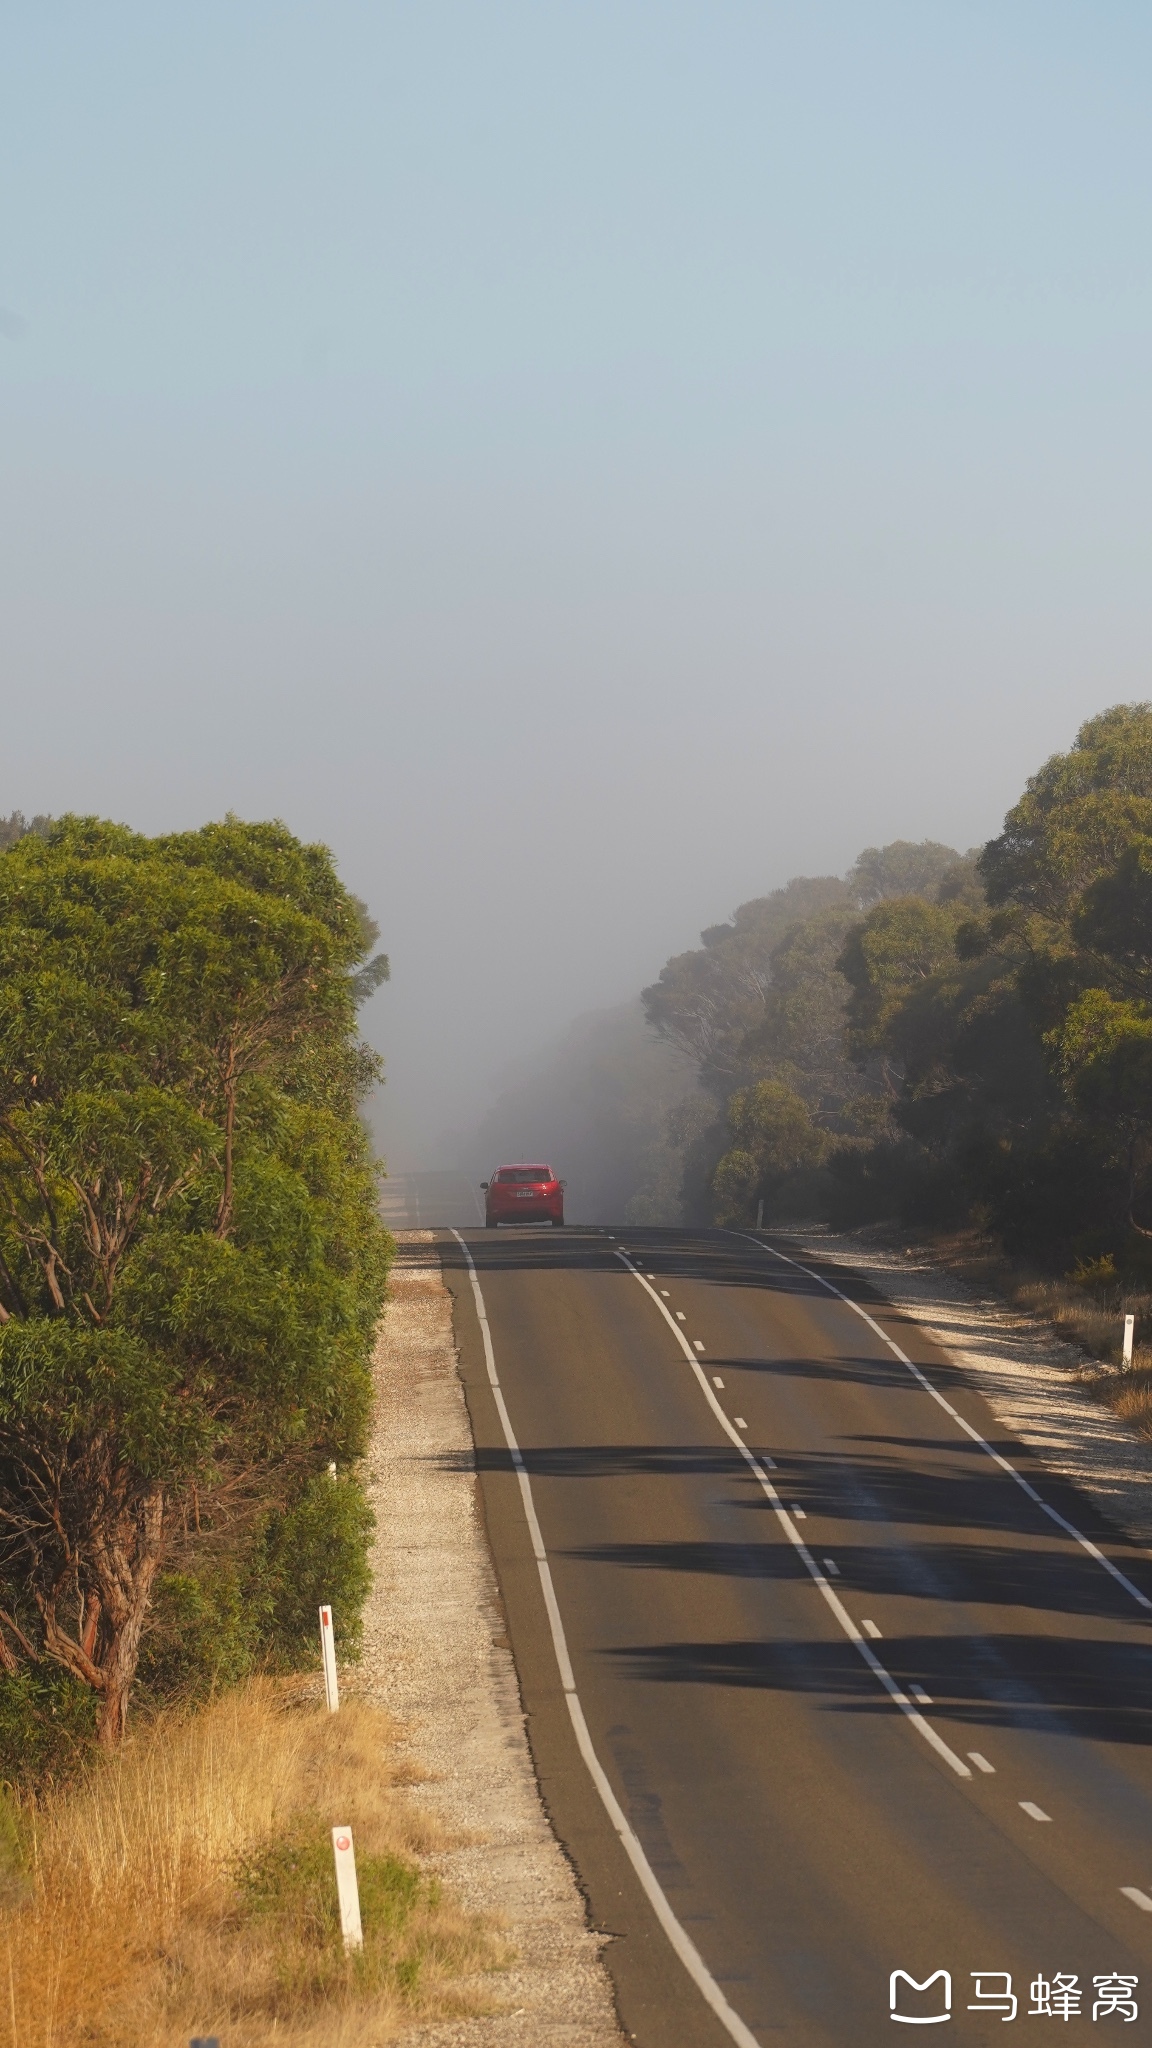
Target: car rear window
521, 1176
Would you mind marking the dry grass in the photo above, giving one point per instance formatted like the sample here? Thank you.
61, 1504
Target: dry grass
1087, 1312
185, 1887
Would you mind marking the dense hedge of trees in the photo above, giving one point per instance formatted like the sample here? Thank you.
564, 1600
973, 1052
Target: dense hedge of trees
947, 1038
191, 1262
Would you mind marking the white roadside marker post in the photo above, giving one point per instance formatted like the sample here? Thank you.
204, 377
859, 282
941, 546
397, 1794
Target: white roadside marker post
347, 1890
760, 1214
1129, 1334
328, 1655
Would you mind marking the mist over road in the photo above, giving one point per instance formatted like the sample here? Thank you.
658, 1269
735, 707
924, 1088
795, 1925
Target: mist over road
861, 1703
425, 1201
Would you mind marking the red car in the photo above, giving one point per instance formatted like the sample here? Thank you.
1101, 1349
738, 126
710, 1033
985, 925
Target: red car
523, 1194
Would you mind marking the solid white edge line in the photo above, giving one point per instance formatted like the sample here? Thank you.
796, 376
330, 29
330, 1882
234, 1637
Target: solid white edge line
898, 1697
1054, 1514
684, 1947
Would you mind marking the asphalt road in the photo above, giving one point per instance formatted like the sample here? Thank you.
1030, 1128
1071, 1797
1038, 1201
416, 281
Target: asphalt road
429, 1201
757, 1559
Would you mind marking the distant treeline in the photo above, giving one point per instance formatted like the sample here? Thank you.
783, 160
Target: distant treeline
950, 1039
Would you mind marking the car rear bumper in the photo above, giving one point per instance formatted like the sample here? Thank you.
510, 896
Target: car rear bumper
527, 1213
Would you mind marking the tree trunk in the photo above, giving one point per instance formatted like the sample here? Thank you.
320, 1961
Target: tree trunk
224, 1211
125, 1607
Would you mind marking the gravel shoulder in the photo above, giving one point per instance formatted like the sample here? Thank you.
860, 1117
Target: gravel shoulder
1029, 1376
436, 1655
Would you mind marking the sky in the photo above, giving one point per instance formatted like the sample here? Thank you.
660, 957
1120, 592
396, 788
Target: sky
583, 462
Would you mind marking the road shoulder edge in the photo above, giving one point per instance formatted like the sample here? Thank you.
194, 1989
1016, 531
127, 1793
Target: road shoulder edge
435, 1643
1027, 1375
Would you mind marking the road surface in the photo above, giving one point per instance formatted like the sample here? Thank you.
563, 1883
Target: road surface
846, 1697
426, 1201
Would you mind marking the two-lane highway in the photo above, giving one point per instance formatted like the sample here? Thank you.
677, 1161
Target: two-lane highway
834, 1682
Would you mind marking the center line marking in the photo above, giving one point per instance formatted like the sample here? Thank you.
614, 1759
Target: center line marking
1137, 1897
760, 1468
870, 1629
982, 1763
1033, 1811
683, 1944
1005, 1464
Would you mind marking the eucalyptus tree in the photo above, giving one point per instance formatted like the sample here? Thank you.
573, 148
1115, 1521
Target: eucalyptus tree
190, 1258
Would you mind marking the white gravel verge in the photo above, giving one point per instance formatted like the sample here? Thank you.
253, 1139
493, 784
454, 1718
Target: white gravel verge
436, 1656
1027, 1374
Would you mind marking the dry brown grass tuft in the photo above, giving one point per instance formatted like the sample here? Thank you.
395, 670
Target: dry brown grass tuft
1085, 1314
1130, 1394
185, 1887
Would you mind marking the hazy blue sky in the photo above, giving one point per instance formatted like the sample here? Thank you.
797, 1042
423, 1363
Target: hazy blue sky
585, 462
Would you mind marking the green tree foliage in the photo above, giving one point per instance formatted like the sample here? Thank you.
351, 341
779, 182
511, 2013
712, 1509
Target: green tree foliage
709, 1000
800, 1034
1076, 817
16, 825
764, 998
1017, 1036
899, 951
1112, 923
905, 867
191, 1263
961, 1037
774, 1141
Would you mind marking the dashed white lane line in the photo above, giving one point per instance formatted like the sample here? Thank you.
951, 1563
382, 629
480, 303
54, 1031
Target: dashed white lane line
680, 1316
799, 1513
1005, 1464
664, 1294
760, 1467
1138, 1898
696, 1344
918, 1693
982, 1763
1033, 1811
683, 1944
870, 1629
716, 1380
740, 1422
831, 1567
